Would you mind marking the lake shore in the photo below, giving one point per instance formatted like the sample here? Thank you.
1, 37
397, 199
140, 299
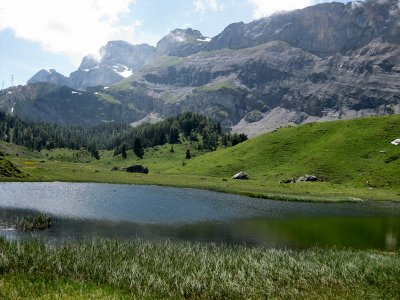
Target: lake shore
304, 192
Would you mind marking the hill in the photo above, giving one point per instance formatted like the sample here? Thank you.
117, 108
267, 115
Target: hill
355, 153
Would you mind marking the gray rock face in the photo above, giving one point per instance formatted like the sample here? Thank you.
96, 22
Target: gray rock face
121, 53
181, 42
96, 76
50, 76
118, 60
323, 29
229, 84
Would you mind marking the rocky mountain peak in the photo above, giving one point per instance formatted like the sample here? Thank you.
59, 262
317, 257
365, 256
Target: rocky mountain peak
120, 53
181, 42
49, 75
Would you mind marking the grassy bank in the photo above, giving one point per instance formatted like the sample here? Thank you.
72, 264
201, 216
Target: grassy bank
181, 270
352, 160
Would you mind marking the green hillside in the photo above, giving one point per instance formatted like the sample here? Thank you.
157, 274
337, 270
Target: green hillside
356, 153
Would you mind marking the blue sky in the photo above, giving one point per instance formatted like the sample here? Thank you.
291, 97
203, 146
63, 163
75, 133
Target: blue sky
58, 33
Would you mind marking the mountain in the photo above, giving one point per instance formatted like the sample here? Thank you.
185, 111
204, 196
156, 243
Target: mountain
50, 76
253, 84
63, 105
181, 42
324, 29
325, 62
118, 60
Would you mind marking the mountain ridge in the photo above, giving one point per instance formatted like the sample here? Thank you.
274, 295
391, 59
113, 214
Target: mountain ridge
332, 61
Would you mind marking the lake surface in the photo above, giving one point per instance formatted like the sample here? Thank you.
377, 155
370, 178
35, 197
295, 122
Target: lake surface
87, 210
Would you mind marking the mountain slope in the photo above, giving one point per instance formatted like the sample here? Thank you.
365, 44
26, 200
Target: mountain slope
63, 105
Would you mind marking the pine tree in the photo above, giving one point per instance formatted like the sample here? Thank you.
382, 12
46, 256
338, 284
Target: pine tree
188, 155
123, 151
138, 148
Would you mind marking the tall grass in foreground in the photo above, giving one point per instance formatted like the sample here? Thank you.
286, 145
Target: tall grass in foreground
142, 269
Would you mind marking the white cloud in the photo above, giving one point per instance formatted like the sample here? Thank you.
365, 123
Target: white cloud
263, 8
203, 5
71, 27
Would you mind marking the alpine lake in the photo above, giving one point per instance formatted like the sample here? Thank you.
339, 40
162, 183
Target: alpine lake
112, 211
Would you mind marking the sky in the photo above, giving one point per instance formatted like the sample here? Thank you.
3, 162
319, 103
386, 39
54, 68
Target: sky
44, 34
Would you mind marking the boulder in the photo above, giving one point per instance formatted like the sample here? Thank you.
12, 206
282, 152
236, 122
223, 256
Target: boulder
395, 142
137, 169
307, 178
241, 175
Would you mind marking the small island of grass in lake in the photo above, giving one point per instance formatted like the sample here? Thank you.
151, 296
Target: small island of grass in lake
38, 221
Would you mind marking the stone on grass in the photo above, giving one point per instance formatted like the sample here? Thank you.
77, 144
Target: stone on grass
395, 142
307, 178
241, 175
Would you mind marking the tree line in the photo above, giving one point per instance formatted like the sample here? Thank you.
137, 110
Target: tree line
117, 136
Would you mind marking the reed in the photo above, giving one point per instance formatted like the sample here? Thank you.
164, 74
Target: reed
143, 269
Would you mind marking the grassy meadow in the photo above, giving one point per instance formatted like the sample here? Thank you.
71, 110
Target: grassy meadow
352, 159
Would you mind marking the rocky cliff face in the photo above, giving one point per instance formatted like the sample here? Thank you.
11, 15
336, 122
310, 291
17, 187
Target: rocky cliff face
324, 62
323, 29
230, 84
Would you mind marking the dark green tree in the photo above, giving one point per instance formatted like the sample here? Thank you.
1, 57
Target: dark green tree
123, 151
173, 137
94, 152
138, 148
188, 155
